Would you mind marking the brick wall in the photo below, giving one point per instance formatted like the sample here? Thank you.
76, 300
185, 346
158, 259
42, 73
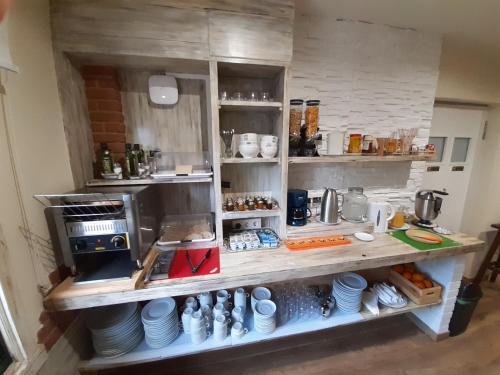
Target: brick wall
105, 108
371, 79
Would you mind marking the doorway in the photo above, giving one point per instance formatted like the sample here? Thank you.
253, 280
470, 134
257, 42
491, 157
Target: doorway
455, 133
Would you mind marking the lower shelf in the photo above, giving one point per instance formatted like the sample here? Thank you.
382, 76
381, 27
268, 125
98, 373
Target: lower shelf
250, 214
182, 345
314, 228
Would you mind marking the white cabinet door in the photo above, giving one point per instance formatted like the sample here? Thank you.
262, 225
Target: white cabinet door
454, 132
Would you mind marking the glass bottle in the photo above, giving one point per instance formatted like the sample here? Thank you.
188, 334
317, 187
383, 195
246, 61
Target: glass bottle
139, 152
106, 159
130, 165
355, 205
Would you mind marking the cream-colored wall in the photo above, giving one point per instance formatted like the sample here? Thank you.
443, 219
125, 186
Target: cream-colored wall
468, 73
33, 159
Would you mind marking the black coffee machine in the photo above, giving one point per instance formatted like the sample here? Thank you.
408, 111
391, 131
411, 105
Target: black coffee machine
297, 211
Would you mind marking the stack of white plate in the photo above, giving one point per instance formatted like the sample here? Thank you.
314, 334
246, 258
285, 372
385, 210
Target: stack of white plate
264, 316
116, 329
161, 322
347, 288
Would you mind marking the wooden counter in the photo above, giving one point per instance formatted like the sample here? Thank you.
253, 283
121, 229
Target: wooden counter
260, 267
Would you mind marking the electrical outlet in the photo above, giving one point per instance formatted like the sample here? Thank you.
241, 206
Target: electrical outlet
247, 224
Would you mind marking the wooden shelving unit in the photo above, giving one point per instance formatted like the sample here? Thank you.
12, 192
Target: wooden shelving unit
249, 160
231, 215
358, 159
182, 346
246, 105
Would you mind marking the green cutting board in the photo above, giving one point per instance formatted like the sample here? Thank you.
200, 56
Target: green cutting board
401, 235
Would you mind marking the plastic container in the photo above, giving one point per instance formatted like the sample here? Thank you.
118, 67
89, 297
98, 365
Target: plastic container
295, 120
177, 229
467, 300
173, 164
312, 118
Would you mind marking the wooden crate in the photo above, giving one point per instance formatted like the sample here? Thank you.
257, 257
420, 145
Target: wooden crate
417, 295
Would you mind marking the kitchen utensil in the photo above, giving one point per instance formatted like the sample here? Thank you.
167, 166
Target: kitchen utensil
309, 243
428, 207
197, 266
424, 236
355, 205
362, 236
330, 207
227, 138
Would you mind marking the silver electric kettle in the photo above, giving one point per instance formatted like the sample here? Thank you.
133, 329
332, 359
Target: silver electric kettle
330, 207
427, 205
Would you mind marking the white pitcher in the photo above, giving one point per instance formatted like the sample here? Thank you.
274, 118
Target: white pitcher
380, 213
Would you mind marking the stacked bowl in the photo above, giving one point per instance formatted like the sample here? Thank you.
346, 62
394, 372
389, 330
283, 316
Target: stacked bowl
264, 316
347, 289
116, 329
161, 323
249, 148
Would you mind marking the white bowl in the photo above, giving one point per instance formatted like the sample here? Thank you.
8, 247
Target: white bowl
248, 137
249, 150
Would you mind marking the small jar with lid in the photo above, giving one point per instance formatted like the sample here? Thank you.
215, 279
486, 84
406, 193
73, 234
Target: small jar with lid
368, 145
230, 205
355, 205
354, 144
312, 118
295, 120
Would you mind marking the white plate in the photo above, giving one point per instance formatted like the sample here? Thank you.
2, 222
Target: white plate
158, 309
261, 293
362, 236
404, 227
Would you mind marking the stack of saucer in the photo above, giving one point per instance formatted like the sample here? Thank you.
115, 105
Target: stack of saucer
265, 316
116, 329
347, 288
161, 323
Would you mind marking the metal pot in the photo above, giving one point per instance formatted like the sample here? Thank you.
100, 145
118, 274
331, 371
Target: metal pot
330, 207
428, 206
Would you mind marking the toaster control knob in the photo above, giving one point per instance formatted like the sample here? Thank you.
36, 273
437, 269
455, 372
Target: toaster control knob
80, 245
118, 242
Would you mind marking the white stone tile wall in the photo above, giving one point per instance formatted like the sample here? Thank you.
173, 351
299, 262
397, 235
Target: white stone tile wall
371, 79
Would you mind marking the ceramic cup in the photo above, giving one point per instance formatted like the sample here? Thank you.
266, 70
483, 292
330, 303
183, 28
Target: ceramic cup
223, 297
259, 293
238, 314
198, 328
240, 298
219, 310
238, 331
221, 327
205, 299
186, 319
192, 303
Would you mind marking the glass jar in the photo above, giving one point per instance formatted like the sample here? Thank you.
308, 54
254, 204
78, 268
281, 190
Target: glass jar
295, 117
368, 145
312, 118
355, 205
354, 144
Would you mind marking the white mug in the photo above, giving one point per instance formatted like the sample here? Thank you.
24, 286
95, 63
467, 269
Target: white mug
240, 298
335, 142
223, 297
238, 331
198, 322
220, 327
219, 309
186, 320
205, 299
380, 213
191, 302
238, 314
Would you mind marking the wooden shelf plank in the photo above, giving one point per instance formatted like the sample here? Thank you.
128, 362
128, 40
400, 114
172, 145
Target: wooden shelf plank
241, 268
247, 161
250, 214
358, 158
182, 346
246, 105
149, 181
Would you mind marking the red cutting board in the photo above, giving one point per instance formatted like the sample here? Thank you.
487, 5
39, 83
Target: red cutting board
180, 266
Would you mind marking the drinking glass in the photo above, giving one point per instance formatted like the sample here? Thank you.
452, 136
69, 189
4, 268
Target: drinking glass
227, 138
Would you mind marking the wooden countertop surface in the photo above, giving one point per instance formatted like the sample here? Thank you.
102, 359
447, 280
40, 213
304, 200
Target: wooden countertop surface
257, 267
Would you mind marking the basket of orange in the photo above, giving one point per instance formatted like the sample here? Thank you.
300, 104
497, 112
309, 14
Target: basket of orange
416, 285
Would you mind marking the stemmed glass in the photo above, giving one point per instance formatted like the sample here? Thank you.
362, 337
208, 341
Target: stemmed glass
227, 137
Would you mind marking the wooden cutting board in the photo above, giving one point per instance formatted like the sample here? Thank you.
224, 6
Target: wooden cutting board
424, 236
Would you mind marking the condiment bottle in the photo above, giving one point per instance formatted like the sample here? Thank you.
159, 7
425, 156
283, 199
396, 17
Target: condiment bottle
106, 159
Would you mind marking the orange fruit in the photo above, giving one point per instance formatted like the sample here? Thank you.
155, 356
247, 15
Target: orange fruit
398, 268
407, 275
428, 283
420, 284
418, 277
410, 267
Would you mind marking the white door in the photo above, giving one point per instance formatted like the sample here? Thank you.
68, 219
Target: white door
455, 132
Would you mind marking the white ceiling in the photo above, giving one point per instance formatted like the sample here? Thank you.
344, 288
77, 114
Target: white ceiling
474, 23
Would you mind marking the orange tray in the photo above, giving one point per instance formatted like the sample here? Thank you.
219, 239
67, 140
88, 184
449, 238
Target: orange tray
309, 243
